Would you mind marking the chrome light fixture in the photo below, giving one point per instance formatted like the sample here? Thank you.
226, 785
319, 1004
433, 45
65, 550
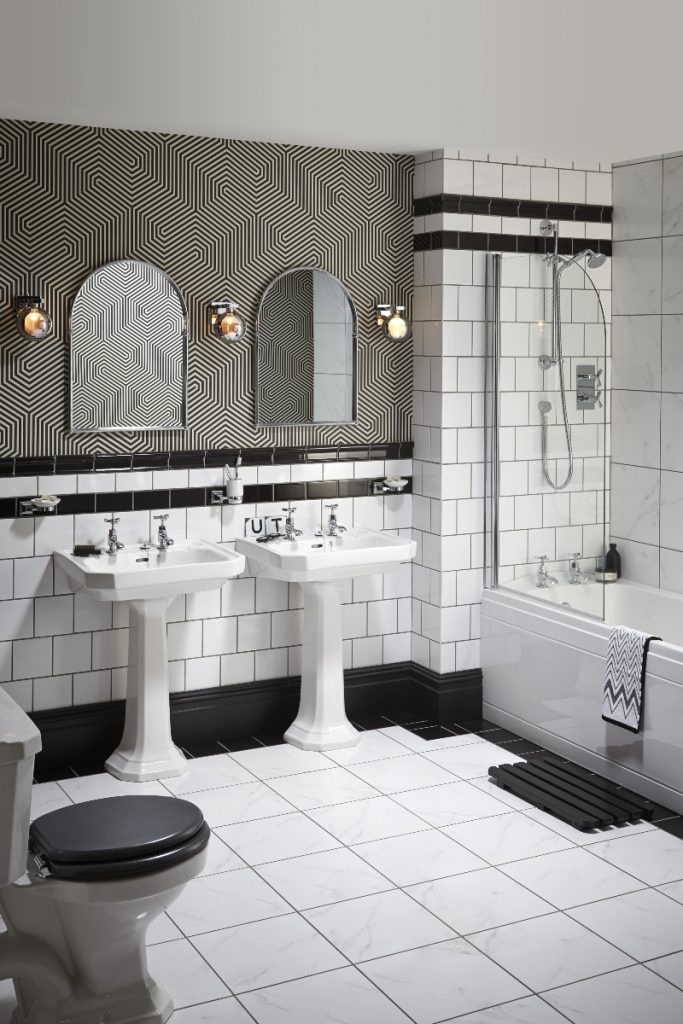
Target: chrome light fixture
394, 321
33, 321
226, 322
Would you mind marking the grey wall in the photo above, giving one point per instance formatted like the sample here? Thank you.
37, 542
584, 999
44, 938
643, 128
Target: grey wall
647, 374
223, 218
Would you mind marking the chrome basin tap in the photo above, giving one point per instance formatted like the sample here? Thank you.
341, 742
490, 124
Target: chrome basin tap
113, 542
291, 533
543, 577
332, 529
163, 539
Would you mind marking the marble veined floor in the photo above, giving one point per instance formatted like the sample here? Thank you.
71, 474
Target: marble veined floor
394, 883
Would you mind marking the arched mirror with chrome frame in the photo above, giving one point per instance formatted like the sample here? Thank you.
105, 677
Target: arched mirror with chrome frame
128, 333
306, 353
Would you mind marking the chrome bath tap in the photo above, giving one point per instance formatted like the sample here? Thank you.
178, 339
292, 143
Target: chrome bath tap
543, 577
113, 542
576, 575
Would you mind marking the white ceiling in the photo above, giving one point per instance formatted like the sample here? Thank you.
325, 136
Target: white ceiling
593, 79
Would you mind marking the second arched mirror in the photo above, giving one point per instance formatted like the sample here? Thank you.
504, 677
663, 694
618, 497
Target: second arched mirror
306, 351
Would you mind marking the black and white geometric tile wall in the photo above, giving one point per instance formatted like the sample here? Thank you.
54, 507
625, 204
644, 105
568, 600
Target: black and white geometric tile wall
59, 649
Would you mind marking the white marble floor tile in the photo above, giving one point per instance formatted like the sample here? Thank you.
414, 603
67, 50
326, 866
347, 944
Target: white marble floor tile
472, 760
419, 857
644, 924
531, 1010
95, 787
220, 858
375, 926
674, 890
479, 900
397, 775
179, 968
549, 951
437, 982
220, 901
419, 745
365, 820
669, 967
323, 878
46, 797
162, 929
654, 856
268, 953
507, 837
320, 789
571, 877
632, 996
373, 746
268, 839
451, 804
281, 759
245, 802
220, 1011
211, 772
340, 997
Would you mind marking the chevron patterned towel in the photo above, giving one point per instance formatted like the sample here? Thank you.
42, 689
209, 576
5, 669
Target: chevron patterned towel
622, 701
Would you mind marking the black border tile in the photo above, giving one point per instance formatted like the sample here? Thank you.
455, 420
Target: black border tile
76, 504
114, 501
499, 206
322, 489
190, 497
143, 501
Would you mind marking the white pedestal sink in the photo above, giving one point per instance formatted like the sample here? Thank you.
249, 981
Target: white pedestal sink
148, 580
320, 564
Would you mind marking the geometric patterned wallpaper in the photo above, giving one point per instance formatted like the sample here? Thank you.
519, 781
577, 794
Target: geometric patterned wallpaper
222, 218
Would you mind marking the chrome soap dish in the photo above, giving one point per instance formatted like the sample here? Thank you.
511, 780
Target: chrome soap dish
43, 503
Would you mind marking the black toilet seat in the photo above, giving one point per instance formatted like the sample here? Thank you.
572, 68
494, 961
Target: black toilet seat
118, 837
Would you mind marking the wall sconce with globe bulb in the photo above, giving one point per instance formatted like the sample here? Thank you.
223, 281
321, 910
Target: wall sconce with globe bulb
33, 321
226, 323
394, 321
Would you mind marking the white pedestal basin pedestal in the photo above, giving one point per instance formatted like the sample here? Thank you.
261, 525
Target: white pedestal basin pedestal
146, 750
320, 565
147, 580
321, 723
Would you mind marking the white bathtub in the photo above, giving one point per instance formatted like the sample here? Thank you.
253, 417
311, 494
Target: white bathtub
543, 665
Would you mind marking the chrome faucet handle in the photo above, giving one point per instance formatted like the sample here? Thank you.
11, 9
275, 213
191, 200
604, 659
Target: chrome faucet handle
113, 542
288, 508
542, 559
164, 516
332, 508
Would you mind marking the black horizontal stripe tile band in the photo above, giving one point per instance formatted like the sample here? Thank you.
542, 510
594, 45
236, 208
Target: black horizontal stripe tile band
201, 459
483, 241
495, 206
197, 497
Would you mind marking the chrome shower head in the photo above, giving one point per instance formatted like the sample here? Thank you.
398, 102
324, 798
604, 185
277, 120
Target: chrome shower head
595, 259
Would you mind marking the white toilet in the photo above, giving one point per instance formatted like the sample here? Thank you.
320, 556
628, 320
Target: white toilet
97, 875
